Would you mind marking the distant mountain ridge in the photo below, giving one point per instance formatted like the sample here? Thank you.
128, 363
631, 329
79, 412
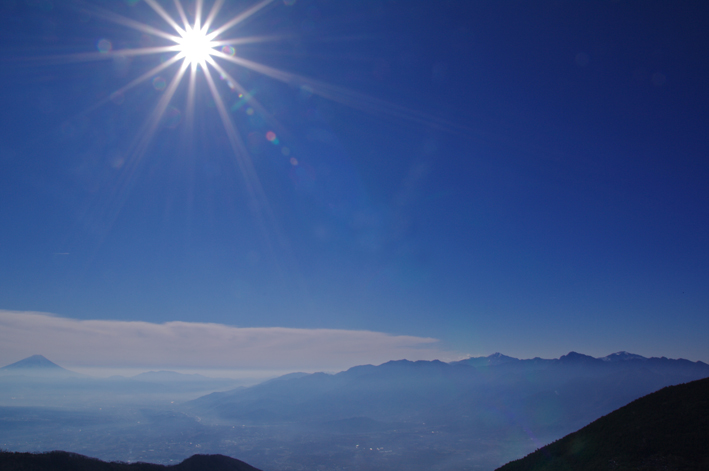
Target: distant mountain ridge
61, 460
37, 381
499, 358
489, 410
483, 393
665, 430
38, 365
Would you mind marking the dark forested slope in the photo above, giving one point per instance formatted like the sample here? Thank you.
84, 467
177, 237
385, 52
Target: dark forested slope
63, 461
666, 430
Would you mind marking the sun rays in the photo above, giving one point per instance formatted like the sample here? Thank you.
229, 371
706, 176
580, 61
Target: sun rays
193, 38
198, 40
194, 44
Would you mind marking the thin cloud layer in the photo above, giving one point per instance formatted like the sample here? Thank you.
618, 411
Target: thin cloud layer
111, 343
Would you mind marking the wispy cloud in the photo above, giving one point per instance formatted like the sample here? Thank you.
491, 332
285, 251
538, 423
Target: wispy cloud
112, 343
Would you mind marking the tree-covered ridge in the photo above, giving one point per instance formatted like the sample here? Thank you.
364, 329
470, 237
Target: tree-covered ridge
63, 461
666, 430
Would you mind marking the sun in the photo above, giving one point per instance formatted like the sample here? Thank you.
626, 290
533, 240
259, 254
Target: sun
195, 46
198, 47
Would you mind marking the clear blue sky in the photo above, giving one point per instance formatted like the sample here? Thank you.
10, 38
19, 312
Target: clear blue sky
529, 177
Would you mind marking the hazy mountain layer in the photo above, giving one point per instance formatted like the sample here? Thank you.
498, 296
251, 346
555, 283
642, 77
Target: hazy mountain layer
36, 381
473, 415
665, 430
485, 394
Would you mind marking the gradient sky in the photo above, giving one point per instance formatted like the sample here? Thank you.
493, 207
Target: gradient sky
523, 177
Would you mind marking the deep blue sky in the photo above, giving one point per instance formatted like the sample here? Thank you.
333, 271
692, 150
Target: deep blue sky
553, 197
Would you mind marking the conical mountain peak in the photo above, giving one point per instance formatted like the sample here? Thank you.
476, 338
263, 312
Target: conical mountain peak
33, 362
36, 365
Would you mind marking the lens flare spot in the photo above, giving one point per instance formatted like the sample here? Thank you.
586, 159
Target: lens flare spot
228, 50
285, 151
172, 117
116, 159
104, 46
293, 161
271, 136
250, 111
306, 91
159, 83
117, 97
228, 81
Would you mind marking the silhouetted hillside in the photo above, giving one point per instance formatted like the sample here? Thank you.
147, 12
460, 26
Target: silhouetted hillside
665, 430
63, 461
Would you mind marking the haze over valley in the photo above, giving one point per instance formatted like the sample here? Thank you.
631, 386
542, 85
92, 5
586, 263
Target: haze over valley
477, 413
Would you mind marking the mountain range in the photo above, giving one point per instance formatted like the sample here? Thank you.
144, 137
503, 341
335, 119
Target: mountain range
486, 393
473, 414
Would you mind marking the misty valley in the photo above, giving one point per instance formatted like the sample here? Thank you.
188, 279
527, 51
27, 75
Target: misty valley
474, 414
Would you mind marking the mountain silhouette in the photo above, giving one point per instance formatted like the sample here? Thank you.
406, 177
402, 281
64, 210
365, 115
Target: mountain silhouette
37, 366
34, 362
665, 430
63, 461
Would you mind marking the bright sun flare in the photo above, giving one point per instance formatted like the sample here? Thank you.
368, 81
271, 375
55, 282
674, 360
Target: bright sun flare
195, 46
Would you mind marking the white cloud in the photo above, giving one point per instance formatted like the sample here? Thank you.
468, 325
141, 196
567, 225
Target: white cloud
111, 344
